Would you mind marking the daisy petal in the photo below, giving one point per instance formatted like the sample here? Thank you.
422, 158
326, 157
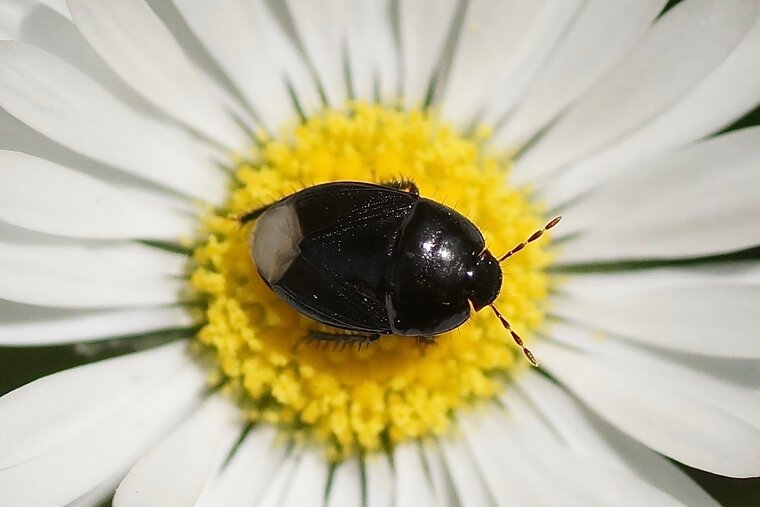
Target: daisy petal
156, 67
321, 28
439, 479
380, 484
727, 93
99, 495
24, 325
176, 470
466, 476
580, 480
587, 435
242, 53
424, 26
710, 315
510, 77
412, 486
277, 487
501, 27
309, 482
46, 271
729, 384
246, 476
106, 449
13, 14
713, 183
62, 103
72, 204
681, 49
346, 488
578, 62
372, 54
84, 397
664, 409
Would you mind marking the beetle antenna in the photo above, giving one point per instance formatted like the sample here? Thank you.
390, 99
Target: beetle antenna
515, 336
554, 221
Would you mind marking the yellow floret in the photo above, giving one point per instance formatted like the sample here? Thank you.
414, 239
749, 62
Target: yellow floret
395, 389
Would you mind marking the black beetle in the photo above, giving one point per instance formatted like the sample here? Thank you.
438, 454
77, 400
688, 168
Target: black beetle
376, 260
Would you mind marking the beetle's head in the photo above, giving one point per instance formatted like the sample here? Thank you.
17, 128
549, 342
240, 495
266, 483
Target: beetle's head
484, 280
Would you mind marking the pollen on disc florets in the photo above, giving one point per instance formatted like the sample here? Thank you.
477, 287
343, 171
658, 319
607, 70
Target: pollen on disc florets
394, 389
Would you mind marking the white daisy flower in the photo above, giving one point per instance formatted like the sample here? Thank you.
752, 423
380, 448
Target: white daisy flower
133, 133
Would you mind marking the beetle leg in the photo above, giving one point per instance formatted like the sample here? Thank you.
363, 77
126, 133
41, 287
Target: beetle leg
342, 340
404, 184
252, 215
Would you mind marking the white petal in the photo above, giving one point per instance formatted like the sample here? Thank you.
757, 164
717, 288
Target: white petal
242, 53
728, 92
16, 136
501, 27
498, 446
13, 13
105, 449
510, 77
176, 470
45, 197
372, 54
711, 316
85, 396
443, 490
57, 34
321, 27
277, 487
518, 441
728, 384
49, 271
250, 470
682, 48
309, 481
60, 102
380, 483
23, 325
466, 475
589, 436
346, 488
412, 486
280, 46
140, 258
577, 480
693, 418
424, 26
701, 200
98, 495
578, 62
156, 66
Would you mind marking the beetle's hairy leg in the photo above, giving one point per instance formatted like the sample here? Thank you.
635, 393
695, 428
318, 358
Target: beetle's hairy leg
342, 339
252, 215
425, 341
405, 184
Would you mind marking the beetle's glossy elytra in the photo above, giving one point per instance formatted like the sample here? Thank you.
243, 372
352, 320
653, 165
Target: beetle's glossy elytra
375, 259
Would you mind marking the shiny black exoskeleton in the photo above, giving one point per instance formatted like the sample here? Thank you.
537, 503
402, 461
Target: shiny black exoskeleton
376, 260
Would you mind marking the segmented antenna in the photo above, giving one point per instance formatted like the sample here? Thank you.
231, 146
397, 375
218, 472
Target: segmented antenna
531, 239
515, 336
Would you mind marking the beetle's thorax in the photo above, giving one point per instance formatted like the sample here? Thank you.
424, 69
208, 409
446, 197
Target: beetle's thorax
429, 282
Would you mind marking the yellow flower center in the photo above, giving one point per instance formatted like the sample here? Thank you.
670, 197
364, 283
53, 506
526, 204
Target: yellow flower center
395, 389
